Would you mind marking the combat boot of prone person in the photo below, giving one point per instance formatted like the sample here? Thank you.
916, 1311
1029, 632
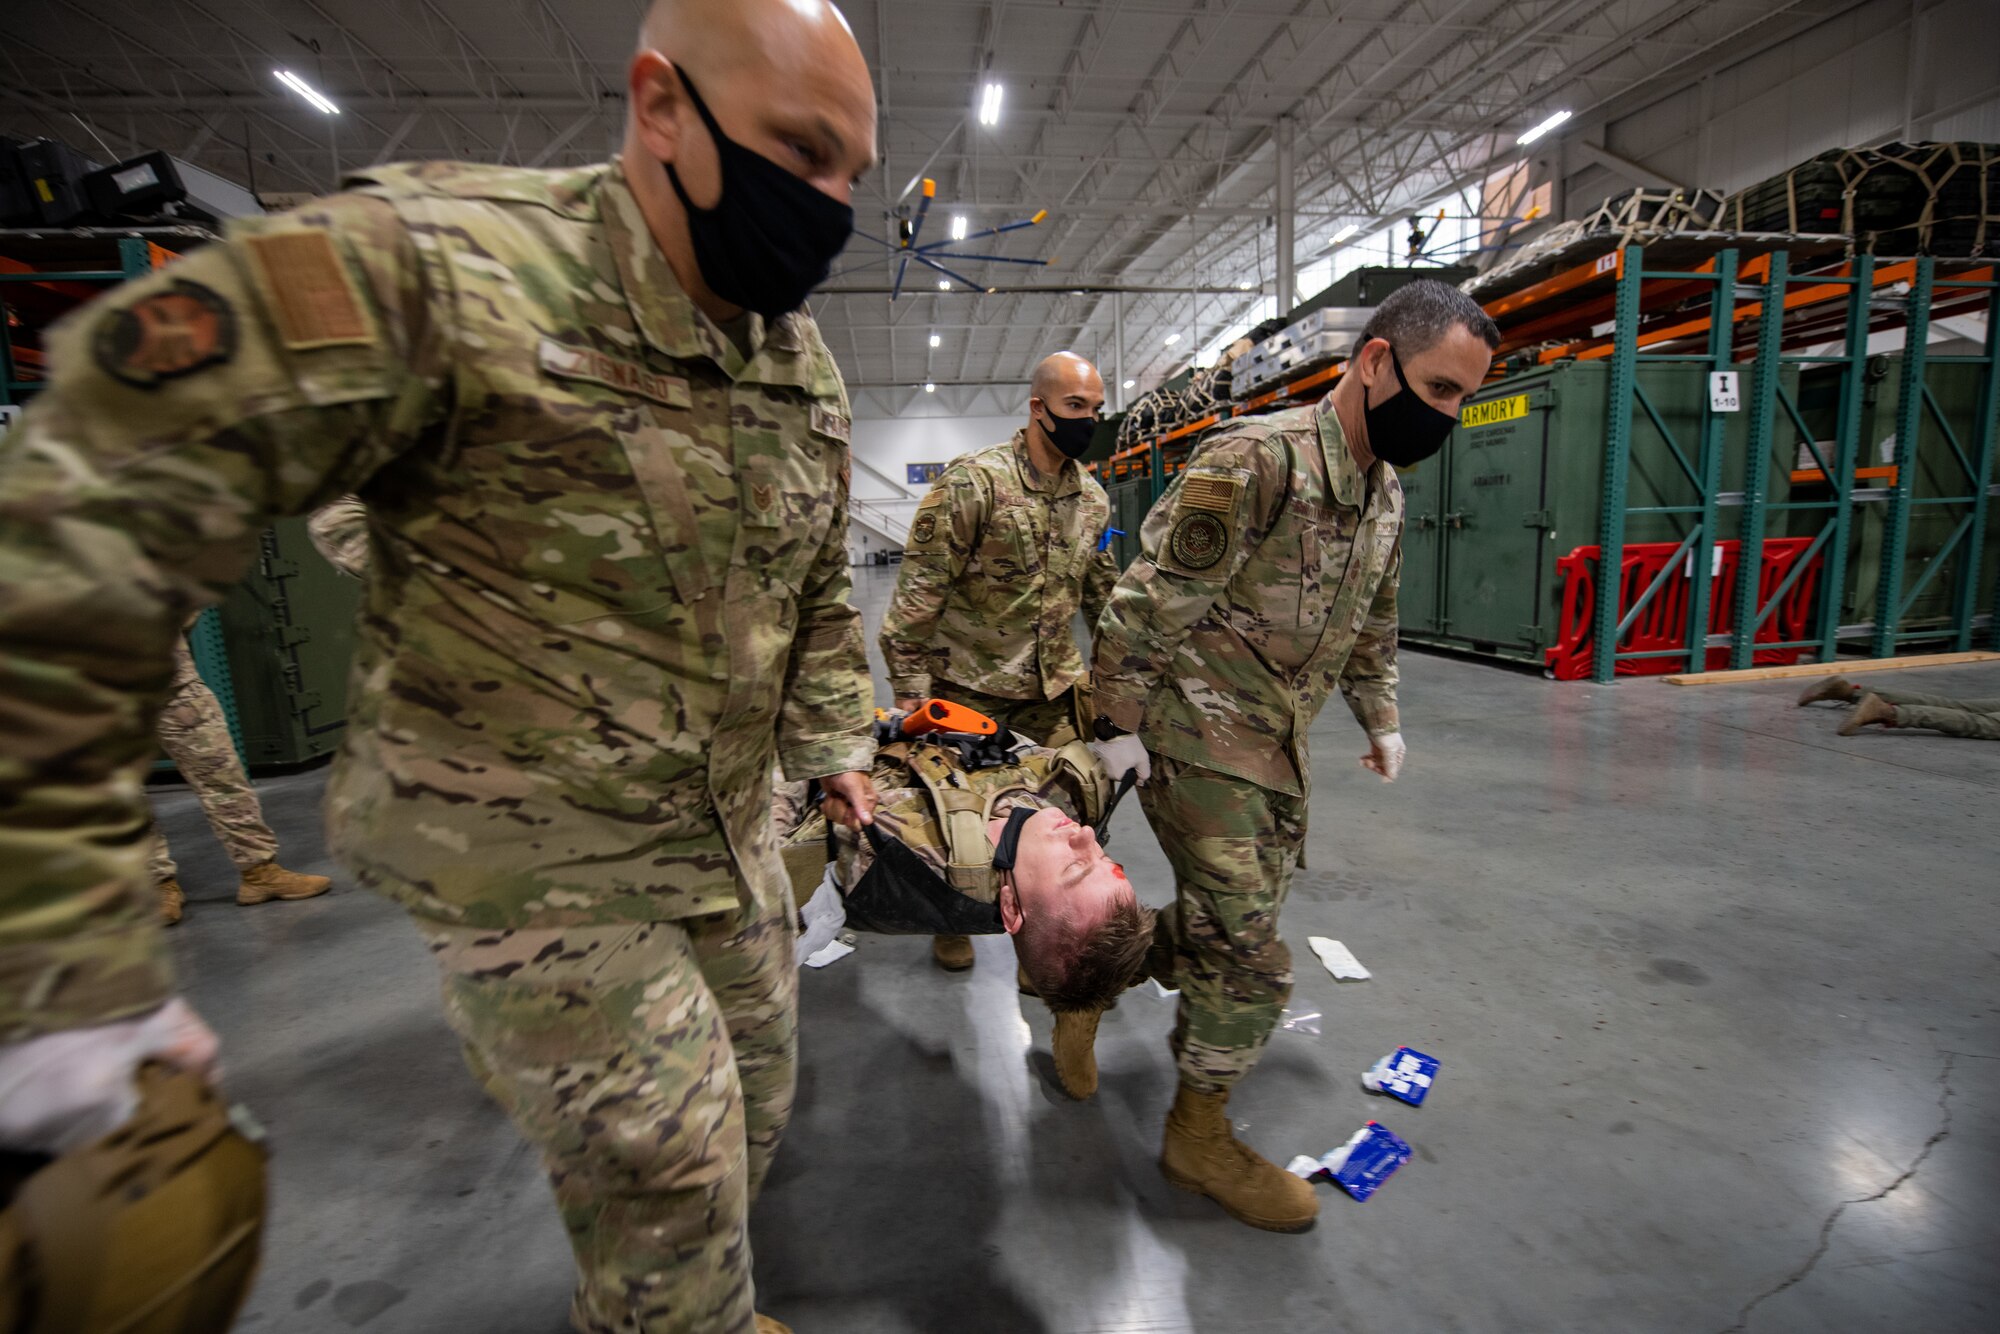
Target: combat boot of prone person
268, 880
1201, 1154
953, 953
1872, 709
771, 1325
172, 900
1836, 688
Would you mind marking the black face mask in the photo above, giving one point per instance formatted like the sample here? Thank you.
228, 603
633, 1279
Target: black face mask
1070, 435
1403, 430
771, 238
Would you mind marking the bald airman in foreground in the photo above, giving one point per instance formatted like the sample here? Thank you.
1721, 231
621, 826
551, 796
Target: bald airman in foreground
604, 458
1003, 552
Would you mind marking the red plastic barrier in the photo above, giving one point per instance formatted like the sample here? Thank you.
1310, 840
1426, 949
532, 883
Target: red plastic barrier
1663, 624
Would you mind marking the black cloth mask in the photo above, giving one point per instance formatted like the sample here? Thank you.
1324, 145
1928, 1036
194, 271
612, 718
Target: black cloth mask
1403, 430
1070, 435
901, 895
771, 237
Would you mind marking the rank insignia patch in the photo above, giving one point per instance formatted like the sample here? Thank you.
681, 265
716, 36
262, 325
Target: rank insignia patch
1198, 541
169, 334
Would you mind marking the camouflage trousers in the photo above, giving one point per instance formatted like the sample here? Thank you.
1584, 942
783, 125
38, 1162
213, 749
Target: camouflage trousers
1051, 722
1232, 845
654, 1066
1976, 718
195, 736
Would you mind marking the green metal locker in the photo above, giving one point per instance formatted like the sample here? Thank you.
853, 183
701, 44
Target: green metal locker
288, 630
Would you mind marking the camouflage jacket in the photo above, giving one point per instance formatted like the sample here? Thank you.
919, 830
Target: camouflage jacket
339, 532
907, 813
998, 562
609, 585
1268, 576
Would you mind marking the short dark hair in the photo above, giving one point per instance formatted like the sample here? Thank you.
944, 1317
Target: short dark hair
1416, 316
1110, 958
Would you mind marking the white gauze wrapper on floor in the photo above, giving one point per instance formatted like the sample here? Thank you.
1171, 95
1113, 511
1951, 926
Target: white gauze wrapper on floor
1339, 960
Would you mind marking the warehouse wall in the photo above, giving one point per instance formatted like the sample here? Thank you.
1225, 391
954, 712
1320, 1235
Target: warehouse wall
1883, 70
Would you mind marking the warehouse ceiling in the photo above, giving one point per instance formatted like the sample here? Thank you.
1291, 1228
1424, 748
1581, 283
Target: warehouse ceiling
1144, 127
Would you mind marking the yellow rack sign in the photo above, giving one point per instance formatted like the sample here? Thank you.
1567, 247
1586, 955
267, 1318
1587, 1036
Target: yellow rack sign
1497, 410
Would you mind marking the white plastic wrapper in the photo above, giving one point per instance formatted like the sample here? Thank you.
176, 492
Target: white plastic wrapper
822, 917
834, 952
1339, 960
1301, 1021
1304, 1166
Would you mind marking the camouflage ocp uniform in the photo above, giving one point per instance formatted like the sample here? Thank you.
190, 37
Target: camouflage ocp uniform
196, 738
1976, 719
906, 812
999, 560
1268, 577
609, 592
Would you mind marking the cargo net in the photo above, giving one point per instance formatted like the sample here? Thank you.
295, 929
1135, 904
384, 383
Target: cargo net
1638, 218
1939, 199
1164, 409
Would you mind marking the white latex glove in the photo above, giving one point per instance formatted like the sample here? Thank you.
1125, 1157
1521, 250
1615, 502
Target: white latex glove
63, 1090
1121, 754
1386, 755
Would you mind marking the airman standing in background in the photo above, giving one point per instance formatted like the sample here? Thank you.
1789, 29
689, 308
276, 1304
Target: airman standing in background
1003, 552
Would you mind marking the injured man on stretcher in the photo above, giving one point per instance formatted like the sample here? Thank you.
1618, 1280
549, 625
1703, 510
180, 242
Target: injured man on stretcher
979, 840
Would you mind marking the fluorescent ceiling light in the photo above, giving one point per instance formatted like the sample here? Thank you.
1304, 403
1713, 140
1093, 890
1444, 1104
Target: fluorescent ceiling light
1245, 287
1543, 128
944, 284
1172, 339
989, 105
1128, 384
1345, 232
958, 227
307, 91
929, 388
936, 341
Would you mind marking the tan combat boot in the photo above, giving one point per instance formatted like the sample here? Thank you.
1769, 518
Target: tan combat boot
953, 953
769, 1325
1872, 709
171, 900
1076, 1051
268, 880
1200, 1154
1836, 688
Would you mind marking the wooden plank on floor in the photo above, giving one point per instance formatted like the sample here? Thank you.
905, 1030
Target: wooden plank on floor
1840, 667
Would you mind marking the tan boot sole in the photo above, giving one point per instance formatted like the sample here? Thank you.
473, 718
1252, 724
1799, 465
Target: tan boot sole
1193, 1187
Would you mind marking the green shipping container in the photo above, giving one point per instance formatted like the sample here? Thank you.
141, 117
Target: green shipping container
288, 632
1519, 484
1955, 389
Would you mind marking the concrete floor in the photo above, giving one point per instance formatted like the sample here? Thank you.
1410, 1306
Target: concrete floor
1716, 993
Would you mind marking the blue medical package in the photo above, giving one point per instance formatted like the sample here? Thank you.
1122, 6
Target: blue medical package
1404, 1073
1368, 1159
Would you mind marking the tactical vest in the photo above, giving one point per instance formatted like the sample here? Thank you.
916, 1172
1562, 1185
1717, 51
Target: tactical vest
902, 894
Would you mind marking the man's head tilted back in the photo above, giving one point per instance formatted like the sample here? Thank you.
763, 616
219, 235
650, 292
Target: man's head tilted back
750, 121
1078, 928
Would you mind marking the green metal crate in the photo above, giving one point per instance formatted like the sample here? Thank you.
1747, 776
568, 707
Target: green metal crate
1520, 483
1956, 390
288, 630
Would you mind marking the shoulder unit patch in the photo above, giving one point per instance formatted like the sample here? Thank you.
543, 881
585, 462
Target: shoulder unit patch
1199, 540
173, 332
